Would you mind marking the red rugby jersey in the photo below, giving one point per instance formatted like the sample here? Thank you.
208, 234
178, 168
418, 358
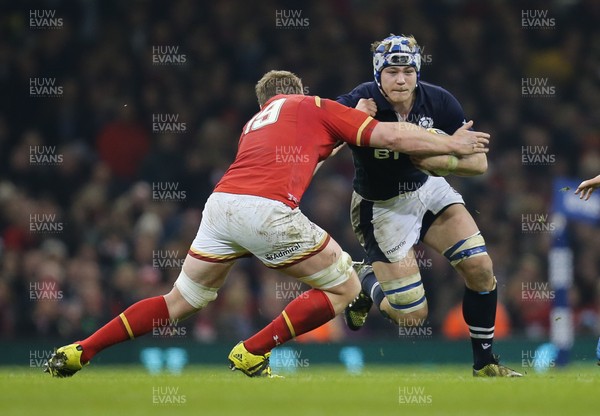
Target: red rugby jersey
281, 145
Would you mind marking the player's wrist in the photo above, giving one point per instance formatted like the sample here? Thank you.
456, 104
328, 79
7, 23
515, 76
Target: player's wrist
452, 163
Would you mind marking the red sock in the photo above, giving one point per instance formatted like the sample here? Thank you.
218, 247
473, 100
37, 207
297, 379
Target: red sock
139, 319
305, 313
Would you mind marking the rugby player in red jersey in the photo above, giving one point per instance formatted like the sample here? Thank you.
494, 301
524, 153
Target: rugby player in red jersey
254, 211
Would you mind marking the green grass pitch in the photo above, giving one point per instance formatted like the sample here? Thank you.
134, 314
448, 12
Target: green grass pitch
316, 390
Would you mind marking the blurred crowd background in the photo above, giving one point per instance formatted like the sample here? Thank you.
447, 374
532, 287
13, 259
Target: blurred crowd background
104, 214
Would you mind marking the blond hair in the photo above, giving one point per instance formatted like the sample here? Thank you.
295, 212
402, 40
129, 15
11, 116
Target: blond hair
277, 82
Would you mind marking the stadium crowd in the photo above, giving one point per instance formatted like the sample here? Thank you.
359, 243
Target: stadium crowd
103, 175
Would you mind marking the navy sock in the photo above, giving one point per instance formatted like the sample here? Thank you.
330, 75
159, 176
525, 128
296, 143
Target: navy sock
479, 311
371, 287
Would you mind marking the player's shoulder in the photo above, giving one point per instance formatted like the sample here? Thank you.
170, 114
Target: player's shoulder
440, 98
311, 101
364, 90
317, 106
434, 90
298, 100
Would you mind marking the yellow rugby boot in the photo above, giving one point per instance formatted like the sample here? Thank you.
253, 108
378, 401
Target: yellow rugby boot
65, 361
250, 364
495, 369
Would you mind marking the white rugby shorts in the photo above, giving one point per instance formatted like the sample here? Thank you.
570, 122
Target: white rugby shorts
235, 226
388, 229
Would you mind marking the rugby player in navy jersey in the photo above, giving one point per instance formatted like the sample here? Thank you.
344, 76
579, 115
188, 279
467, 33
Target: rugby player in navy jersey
399, 200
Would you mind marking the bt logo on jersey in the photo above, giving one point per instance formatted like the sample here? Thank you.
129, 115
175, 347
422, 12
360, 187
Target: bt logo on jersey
385, 154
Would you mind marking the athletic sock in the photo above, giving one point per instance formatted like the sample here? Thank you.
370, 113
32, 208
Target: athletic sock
371, 287
139, 319
308, 311
479, 312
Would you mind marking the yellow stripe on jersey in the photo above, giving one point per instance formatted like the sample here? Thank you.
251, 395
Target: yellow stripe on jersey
317, 101
289, 324
361, 128
127, 327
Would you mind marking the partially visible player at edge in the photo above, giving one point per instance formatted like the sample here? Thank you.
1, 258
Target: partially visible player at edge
585, 191
587, 187
254, 210
395, 204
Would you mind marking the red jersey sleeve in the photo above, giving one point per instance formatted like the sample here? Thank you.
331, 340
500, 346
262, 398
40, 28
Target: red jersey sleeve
346, 124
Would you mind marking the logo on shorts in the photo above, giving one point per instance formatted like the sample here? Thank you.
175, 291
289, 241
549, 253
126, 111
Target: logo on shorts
282, 253
394, 249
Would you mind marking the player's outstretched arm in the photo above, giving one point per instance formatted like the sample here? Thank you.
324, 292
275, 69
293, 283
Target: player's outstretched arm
414, 140
586, 188
471, 165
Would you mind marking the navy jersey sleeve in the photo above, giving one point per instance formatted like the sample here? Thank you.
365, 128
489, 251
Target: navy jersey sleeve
452, 115
351, 99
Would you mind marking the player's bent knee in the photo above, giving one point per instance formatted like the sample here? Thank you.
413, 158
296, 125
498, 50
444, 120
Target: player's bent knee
337, 273
405, 295
466, 248
478, 267
194, 293
478, 273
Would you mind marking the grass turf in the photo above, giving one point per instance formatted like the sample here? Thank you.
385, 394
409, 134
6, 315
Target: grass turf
317, 390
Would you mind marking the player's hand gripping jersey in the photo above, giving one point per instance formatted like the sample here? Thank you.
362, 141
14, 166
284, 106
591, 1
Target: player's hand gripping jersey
281, 145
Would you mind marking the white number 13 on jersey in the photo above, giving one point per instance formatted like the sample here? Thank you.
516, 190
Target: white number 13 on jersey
266, 116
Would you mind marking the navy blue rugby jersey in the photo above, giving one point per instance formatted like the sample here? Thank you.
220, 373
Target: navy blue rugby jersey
381, 174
